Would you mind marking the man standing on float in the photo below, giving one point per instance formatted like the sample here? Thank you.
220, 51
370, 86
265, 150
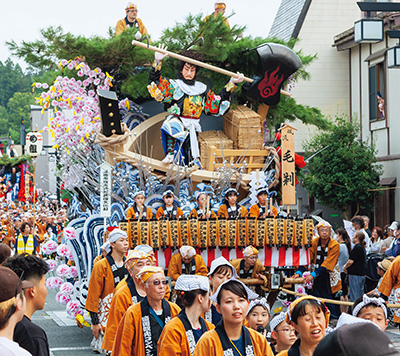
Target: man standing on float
185, 99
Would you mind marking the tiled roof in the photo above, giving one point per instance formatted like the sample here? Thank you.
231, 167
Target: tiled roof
289, 19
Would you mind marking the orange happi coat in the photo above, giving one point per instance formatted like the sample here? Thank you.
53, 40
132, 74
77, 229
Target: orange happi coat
223, 212
173, 339
175, 266
258, 267
129, 339
210, 344
101, 290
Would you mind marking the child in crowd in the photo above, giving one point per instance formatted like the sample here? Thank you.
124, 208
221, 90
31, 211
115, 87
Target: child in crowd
258, 315
371, 308
282, 333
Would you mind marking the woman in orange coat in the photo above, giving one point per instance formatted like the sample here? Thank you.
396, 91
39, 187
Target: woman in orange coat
230, 208
182, 333
232, 298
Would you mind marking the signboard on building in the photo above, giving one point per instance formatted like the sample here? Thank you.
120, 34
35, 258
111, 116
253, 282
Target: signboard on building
105, 189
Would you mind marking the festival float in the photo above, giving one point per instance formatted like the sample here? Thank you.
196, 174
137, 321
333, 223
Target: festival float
111, 149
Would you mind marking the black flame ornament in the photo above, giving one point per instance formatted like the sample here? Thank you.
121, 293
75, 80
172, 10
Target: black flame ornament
276, 63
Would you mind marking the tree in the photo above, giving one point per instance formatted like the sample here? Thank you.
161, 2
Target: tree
345, 173
129, 65
12, 79
19, 105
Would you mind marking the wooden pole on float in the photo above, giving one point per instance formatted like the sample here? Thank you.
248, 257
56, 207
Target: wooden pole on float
196, 62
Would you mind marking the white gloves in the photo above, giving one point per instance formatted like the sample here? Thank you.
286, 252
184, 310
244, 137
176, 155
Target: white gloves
160, 56
238, 79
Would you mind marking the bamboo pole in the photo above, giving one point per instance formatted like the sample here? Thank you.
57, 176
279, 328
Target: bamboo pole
196, 63
332, 301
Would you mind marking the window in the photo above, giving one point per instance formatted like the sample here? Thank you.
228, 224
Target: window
377, 92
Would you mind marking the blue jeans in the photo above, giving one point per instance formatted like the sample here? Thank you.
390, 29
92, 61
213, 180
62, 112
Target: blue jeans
356, 284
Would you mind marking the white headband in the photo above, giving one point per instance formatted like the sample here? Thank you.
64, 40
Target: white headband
250, 294
277, 320
262, 302
116, 234
366, 301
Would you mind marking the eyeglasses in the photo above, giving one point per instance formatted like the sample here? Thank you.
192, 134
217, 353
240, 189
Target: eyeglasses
287, 331
157, 282
132, 10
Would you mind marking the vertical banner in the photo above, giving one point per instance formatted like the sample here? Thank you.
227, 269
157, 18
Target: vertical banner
288, 165
105, 189
27, 181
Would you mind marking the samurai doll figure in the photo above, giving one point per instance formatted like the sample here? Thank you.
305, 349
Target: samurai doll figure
185, 99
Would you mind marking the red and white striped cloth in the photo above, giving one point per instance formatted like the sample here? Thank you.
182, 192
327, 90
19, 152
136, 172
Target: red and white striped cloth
270, 257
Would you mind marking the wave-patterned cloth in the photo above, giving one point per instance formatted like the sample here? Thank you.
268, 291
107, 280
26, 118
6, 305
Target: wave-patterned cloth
173, 126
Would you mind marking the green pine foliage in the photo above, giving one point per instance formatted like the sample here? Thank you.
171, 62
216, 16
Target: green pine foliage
5, 160
223, 47
345, 174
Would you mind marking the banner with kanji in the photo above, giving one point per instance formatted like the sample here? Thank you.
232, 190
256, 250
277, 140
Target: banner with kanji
288, 165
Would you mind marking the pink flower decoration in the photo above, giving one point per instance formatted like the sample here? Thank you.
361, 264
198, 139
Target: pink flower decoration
66, 288
50, 246
96, 81
45, 86
69, 233
79, 73
73, 272
62, 270
62, 298
54, 282
73, 307
71, 65
102, 75
52, 265
62, 250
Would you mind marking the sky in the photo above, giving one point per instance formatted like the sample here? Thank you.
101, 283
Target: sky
23, 21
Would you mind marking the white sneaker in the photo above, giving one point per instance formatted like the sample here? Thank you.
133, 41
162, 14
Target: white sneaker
169, 158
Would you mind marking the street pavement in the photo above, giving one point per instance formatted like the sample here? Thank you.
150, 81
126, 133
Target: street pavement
67, 339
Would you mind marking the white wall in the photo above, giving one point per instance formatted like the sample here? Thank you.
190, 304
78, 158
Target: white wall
328, 88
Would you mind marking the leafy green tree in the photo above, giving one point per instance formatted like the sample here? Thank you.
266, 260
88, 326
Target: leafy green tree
12, 79
19, 105
345, 173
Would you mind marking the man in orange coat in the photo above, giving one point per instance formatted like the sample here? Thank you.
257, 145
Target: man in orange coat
131, 20
142, 324
249, 266
391, 281
131, 293
324, 255
261, 209
106, 274
186, 262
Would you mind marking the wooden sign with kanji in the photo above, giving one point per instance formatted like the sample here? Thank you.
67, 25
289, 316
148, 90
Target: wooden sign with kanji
288, 165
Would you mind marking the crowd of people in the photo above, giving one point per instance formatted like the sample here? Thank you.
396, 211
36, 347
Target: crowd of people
135, 310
